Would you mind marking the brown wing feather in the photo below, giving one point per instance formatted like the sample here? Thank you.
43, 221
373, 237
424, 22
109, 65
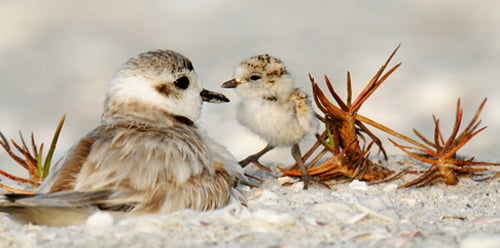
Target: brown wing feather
66, 178
141, 163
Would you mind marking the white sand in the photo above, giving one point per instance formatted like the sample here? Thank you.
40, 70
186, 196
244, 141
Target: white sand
348, 215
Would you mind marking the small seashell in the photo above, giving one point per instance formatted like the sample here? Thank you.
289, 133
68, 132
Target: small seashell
283, 180
452, 218
98, 222
408, 201
356, 218
374, 214
390, 187
377, 233
358, 185
99, 219
273, 217
314, 221
411, 234
486, 219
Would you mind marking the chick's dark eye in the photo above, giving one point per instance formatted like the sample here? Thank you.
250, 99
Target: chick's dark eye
182, 82
254, 78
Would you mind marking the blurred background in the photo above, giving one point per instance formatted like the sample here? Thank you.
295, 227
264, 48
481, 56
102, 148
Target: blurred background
57, 56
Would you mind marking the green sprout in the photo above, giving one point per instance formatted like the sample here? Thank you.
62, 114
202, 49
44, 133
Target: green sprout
31, 160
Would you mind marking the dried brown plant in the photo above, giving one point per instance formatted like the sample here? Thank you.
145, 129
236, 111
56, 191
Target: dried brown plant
446, 166
31, 160
344, 128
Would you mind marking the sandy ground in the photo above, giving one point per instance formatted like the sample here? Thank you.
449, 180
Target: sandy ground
57, 56
349, 215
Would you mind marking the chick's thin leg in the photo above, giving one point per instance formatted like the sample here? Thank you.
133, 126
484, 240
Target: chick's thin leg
306, 177
254, 158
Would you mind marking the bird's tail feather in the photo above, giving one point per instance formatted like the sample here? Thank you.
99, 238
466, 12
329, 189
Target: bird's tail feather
54, 209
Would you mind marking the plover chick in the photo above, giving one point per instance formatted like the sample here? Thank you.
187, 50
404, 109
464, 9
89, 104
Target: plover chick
272, 107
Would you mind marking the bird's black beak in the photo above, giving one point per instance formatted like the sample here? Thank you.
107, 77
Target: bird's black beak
230, 83
213, 97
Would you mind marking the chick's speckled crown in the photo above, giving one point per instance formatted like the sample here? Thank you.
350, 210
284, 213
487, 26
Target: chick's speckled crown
157, 62
266, 63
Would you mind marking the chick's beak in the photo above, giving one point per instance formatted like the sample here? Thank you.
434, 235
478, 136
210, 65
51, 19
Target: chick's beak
213, 97
233, 83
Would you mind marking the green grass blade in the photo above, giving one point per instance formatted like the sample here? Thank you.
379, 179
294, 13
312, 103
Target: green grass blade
39, 161
48, 159
330, 136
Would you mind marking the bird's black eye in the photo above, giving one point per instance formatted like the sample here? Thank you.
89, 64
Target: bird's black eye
255, 78
182, 82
